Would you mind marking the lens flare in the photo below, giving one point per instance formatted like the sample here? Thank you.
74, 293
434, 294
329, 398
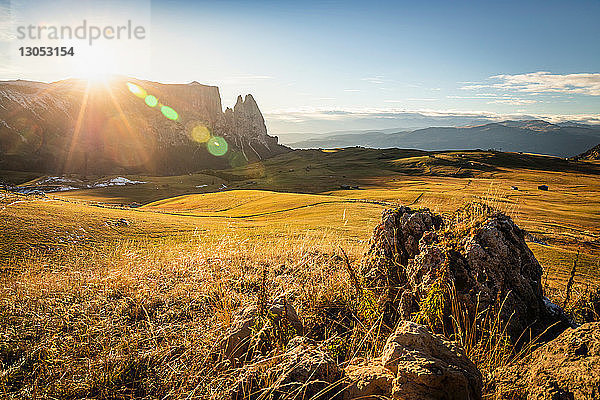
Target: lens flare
136, 90
169, 113
217, 146
151, 101
200, 134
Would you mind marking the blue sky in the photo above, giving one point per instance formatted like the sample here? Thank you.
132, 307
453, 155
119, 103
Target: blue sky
304, 60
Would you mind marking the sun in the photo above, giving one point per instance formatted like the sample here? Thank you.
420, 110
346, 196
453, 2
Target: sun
96, 65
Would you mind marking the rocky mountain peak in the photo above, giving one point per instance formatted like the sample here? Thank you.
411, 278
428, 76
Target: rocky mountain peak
122, 131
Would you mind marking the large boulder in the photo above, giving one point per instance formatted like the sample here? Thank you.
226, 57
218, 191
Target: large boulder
395, 241
429, 367
250, 327
481, 253
415, 365
567, 368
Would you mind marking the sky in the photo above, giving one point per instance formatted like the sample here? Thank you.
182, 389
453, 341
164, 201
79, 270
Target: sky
342, 61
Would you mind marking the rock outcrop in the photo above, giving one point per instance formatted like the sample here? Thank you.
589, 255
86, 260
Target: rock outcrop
124, 127
395, 241
481, 254
567, 368
368, 380
415, 365
245, 121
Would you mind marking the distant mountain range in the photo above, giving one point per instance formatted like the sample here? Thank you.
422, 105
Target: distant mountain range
531, 136
127, 125
298, 126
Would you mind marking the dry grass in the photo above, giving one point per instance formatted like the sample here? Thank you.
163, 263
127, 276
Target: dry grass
138, 320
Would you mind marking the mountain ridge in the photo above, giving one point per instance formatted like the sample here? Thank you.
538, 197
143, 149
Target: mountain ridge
533, 136
129, 125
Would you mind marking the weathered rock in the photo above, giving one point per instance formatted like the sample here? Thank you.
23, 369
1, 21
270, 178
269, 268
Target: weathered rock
40, 117
426, 366
236, 343
415, 365
395, 241
304, 371
567, 368
482, 253
367, 380
307, 372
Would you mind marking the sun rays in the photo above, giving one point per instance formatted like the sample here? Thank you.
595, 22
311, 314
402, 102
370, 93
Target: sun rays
77, 129
119, 123
103, 127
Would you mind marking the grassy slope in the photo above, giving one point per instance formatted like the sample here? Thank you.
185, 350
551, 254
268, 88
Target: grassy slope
48, 224
566, 218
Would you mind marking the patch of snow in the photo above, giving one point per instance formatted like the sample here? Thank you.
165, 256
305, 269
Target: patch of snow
25, 190
48, 189
118, 181
62, 189
56, 179
201, 186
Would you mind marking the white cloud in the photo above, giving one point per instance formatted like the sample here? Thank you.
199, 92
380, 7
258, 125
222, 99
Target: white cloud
377, 80
322, 113
496, 99
512, 101
410, 99
545, 82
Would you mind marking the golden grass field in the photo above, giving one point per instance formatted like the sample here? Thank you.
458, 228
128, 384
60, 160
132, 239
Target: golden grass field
300, 192
95, 308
